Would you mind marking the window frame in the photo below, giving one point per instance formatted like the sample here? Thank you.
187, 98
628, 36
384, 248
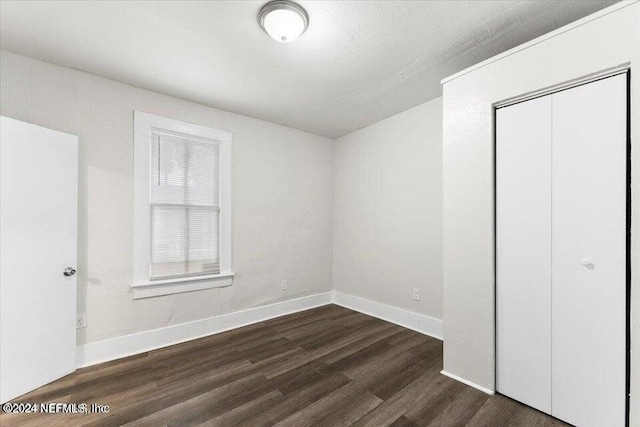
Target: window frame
143, 287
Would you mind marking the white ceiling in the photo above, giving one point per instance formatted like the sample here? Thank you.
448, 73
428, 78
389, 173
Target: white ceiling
359, 61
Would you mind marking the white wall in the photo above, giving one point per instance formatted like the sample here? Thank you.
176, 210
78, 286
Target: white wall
282, 203
595, 45
387, 229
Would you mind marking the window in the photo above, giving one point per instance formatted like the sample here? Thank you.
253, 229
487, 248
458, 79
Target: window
182, 212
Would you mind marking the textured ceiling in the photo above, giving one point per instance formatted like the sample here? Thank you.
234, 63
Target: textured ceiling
359, 61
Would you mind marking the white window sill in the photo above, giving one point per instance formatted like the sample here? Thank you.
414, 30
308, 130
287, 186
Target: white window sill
157, 288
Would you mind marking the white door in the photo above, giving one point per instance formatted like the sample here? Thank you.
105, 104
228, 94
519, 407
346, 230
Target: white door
561, 252
589, 253
523, 245
38, 237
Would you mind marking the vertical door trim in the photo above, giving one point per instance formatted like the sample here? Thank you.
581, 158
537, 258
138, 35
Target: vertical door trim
628, 250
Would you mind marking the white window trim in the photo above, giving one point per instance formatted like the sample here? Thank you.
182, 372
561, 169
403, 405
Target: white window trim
144, 124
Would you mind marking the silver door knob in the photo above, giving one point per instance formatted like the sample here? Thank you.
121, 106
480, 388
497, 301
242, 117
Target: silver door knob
69, 271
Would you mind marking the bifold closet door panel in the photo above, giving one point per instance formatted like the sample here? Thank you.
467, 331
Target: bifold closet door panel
589, 253
523, 245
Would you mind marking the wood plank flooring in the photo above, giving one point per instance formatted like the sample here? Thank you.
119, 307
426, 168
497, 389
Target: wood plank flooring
329, 366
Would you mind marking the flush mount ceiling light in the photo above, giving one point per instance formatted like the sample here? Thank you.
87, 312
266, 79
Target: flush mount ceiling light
283, 20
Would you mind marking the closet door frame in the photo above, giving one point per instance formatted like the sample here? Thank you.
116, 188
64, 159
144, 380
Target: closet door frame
545, 92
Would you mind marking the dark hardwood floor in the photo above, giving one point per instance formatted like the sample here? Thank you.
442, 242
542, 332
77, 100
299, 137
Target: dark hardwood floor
327, 367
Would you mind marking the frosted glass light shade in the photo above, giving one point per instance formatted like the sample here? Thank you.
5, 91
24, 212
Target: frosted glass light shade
284, 21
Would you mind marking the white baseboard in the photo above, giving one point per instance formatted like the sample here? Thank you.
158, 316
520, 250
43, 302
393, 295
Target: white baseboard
116, 348
408, 319
469, 383
128, 345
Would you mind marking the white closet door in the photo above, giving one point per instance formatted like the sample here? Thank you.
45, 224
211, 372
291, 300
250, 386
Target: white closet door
523, 203
589, 265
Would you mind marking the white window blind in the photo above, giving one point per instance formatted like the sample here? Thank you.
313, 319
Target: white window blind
185, 206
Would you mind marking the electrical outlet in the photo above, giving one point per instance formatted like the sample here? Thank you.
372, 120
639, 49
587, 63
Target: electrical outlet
416, 294
81, 321
283, 285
